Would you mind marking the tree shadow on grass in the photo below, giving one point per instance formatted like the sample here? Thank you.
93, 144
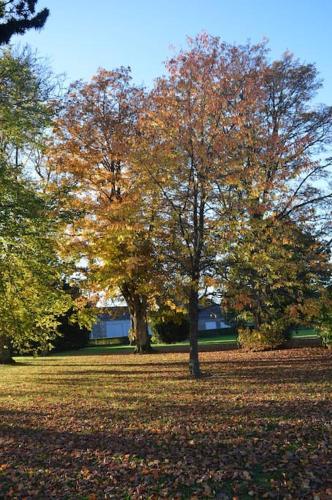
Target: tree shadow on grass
160, 435
15, 364
282, 441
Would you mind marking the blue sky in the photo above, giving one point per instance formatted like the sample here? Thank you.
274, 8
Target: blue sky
82, 35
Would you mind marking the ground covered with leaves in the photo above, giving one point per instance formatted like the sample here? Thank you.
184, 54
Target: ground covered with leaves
126, 426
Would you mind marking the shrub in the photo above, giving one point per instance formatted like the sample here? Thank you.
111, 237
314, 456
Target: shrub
269, 336
109, 341
325, 333
170, 327
323, 323
324, 328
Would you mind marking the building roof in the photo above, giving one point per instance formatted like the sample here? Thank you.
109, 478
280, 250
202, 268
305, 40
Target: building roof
211, 311
116, 313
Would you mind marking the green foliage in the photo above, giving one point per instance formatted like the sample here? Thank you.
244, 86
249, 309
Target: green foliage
325, 332
30, 272
170, 326
324, 322
25, 108
71, 334
269, 336
276, 279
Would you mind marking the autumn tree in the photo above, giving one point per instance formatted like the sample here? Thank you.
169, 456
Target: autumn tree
91, 152
282, 192
189, 133
276, 279
18, 16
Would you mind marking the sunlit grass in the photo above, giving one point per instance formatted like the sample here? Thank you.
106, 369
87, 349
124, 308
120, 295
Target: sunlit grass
138, 427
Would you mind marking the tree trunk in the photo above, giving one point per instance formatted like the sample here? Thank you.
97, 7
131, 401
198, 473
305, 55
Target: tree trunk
140, 329
138, 312
5, 351
194, 368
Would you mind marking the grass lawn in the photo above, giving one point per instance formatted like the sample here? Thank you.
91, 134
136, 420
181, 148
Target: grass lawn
207, 341
124, 426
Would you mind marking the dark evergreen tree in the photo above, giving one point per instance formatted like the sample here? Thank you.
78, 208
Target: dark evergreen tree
72, 335
18, 16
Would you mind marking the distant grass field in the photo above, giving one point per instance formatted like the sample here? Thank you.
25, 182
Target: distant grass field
121, 426
304, 333
213, 340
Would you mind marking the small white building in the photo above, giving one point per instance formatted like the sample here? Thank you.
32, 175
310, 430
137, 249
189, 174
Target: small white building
115, 323
210, 318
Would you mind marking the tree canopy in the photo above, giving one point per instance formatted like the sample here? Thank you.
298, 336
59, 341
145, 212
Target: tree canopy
91, 151
31, 272
18, 16
212, 183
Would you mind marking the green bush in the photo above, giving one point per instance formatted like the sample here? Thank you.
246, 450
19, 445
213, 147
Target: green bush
325, 333
217, 332
269, 336
324, 323
170, 327
114, 341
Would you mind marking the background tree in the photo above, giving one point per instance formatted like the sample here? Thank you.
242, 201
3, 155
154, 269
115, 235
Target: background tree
276, 280
323, 321
169, 324
73, 332
285, 205
18, 16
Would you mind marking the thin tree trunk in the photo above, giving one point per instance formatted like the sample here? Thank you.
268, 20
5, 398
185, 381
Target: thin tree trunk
194, 367
131, 336
5, 351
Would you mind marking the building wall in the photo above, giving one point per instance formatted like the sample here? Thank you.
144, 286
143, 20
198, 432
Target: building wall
211, 324
106, 328
117, 328
110, 329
